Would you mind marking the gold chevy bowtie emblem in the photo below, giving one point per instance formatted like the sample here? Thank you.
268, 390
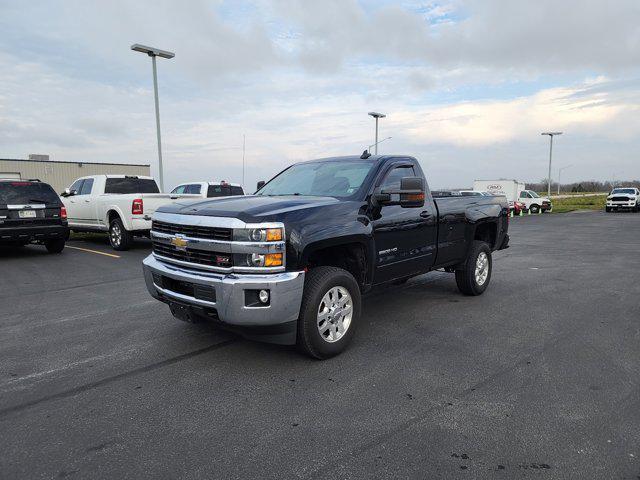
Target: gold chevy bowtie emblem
179, 242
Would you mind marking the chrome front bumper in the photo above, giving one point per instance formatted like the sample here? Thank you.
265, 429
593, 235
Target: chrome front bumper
285, 293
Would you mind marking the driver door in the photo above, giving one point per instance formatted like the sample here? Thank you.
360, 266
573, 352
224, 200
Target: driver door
72, 203
405, 238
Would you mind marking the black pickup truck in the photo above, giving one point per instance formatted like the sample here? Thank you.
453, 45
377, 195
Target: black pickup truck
289, 264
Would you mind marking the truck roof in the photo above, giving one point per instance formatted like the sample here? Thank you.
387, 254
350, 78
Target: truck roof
353, 158
213, 182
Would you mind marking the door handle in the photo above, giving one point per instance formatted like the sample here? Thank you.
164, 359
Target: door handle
425, 214
87, 201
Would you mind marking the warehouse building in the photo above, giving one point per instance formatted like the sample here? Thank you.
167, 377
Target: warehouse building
62, 174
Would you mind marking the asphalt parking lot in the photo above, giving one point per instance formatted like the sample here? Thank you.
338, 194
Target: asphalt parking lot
536, 378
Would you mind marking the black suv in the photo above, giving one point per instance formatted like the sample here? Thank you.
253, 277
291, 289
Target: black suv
32, 212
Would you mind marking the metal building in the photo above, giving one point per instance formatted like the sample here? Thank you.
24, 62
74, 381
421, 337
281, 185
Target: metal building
62, 174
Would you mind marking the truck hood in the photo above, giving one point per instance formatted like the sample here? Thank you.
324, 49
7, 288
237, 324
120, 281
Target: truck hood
253, 208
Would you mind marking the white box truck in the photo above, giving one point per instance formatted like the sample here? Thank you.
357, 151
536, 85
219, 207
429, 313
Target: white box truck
515, 191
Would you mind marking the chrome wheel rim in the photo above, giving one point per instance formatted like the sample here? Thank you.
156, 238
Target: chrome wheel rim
334, 314
116, 235
482, 268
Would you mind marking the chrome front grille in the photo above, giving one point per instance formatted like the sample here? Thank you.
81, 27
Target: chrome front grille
193, 255
209, 233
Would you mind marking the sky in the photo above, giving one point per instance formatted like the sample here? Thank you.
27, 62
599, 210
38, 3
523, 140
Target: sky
467, 85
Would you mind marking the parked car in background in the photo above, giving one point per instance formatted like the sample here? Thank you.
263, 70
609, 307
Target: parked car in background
627, 198
210, 189
119, 204
289, 264
31, 212
515, 191
517, 207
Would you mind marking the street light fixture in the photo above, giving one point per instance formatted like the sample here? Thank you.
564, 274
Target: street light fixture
153, 53
377, 116
551, 135
560, 174
376, 144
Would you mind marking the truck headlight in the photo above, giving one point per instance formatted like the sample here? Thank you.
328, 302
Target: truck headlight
259, 260
258, 235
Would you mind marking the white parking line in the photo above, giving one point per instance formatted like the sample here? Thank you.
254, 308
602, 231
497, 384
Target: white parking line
94, 251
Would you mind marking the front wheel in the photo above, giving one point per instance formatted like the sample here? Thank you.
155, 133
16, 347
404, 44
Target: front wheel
473, 276
54, 246
607, 209
119, 237
534, 208
329, 312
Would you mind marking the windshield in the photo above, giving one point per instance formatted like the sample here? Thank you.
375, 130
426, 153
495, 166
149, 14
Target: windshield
319, 179
130, 185
20, 193
533, 194
624, 190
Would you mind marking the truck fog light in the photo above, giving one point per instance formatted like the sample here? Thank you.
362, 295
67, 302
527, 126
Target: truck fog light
264, 296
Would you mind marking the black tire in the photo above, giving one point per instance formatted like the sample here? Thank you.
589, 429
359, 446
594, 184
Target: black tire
119, 237
54, 246
318, 282
466, 272
534, 208
607, 209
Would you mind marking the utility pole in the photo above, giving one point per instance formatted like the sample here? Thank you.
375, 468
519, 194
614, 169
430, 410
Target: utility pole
243, 151
551, 135
560, 175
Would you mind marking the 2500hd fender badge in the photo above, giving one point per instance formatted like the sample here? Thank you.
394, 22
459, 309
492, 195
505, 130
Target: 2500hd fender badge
388, 250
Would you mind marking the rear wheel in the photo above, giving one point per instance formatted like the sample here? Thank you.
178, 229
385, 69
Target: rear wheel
119, 237
54, 246
329, 312
534, 208
473, 276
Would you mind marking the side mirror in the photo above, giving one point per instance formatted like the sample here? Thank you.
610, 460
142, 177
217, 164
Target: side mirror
411, 194
68, 193
260, 185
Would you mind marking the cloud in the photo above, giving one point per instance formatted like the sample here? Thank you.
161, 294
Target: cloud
467, 86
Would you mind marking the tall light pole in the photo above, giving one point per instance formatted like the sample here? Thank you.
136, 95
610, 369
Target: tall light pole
244, 139
377, 116
153, 53
551, 135
560, 175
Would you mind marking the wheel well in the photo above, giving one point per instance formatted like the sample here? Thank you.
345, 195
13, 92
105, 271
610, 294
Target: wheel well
486, 232
112, 215
351, 257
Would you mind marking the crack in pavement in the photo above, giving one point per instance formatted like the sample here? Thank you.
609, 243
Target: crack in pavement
105, 381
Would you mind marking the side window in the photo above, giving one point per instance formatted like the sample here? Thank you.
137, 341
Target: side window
87, 185
77, 186
193, 188
237, 191
392, 180
524, 195
179, 189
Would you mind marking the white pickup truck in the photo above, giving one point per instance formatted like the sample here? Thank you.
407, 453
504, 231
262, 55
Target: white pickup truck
119, 204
